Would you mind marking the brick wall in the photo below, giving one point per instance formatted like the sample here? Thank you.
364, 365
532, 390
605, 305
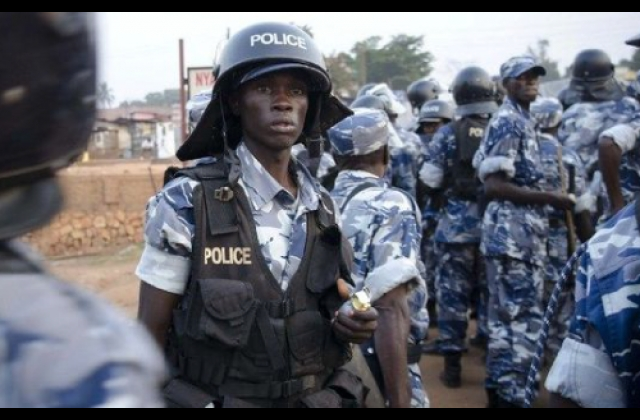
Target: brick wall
104, 209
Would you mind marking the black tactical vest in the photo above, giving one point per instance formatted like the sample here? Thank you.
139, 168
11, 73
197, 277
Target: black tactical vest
463, 182
236, 333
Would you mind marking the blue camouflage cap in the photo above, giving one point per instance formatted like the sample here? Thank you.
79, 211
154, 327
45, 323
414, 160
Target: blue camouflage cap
517, 66
365, 132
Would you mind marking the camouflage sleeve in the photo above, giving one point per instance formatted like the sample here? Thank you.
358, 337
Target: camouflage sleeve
433, 170
583, 371
500, 149
169, 231
394, 245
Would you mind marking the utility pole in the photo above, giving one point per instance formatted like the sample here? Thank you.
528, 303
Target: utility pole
183, 95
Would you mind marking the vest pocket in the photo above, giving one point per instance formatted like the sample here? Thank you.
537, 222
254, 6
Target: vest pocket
324, 268
228, 312
306, 339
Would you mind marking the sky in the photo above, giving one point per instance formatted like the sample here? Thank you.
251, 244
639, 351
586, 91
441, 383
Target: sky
139, 50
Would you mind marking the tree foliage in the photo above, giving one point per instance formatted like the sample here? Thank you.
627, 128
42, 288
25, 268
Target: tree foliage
105, 96
541, 53
634, 63
166, 98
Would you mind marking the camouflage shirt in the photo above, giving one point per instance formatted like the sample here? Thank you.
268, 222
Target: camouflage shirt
572, 164
62, 348
607, 314
511, 147
281, 221
460, 222
383, 226
583, 123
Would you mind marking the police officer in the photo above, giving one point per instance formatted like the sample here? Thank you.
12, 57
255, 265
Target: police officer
59, 346
619, 153
405, 160
449, 169
433, 115
600, 103
514, 232
599, 365
382, 224
423, 91
243, 253
563, 230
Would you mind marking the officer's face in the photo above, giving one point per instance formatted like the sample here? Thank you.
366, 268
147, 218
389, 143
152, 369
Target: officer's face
273, 109
525, 88
430, 128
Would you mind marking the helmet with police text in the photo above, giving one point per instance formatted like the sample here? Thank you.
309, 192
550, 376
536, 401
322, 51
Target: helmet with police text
47, 110
436, 111
547, 112
254, 52
474, 92
423, 91
635, 41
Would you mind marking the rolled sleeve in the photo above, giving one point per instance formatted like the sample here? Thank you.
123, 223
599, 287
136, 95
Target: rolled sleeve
623, 135
586, 376
164, 271
495, 165
432, 176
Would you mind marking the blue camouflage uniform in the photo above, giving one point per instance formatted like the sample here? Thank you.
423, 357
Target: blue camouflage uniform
62, 348
627, 137
514, 245
326, 160
581, 128
281, 221
402, 170
458, 236
383, 226
557, 242
599, 365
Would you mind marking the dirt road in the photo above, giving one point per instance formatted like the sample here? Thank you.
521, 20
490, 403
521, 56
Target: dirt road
113, 277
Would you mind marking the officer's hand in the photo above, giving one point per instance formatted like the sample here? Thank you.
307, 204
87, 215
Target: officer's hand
562, 201
355, 327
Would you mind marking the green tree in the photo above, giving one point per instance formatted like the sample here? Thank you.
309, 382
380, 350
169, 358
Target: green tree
397, 63
541, 53
634, 63
105, 96
341, 69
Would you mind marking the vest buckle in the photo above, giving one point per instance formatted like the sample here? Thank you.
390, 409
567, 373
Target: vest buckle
224, 194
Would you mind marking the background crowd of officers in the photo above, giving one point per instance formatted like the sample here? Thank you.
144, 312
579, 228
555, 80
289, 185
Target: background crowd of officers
508, 184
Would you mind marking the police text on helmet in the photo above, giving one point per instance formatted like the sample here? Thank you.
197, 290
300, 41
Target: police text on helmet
279, 39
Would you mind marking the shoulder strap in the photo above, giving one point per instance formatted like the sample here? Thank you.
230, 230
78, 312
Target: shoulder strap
218, 196
360, 188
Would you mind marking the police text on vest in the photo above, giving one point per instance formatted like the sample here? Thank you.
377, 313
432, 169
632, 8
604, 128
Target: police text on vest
227, 256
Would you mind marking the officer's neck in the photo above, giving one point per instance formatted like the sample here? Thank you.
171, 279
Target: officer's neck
275, 162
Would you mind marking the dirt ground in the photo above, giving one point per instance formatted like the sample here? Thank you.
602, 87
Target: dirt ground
112, 277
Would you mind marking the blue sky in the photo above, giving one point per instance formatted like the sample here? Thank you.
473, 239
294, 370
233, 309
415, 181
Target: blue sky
139, 50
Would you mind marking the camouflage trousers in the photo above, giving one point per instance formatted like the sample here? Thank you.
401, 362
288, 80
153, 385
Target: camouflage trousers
429, 257
419, 397
461, 269
515, 323
558, 256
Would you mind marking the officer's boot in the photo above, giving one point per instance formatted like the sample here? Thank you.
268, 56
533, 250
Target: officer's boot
452, 375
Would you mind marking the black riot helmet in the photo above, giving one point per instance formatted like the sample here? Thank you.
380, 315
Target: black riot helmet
593, 79
257, 51
436, 111
47, 110
423, 91
474, 92
635, 41
593, 65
